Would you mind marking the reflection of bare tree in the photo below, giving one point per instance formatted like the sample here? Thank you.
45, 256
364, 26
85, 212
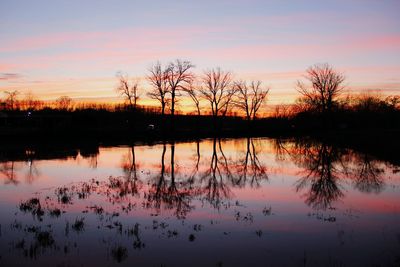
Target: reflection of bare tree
223, 161
368, 176
172, 195
32, 172
322, 170
213, 181
7, 169
325, 164
250, 169
93, 161
157, 188
195, 170
180, 198
91, 153
280, 150
131, 184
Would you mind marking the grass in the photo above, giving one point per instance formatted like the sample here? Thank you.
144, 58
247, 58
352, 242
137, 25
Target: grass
79, 225
119, 253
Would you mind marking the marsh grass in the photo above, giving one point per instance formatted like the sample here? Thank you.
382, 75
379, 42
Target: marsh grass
79, 225
119, 253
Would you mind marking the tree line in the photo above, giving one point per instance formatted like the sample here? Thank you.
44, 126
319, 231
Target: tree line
216, 92
215, 89
321, 91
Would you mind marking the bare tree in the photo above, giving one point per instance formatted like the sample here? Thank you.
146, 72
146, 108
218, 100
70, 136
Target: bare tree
250, 97
179, 76
129, 90
325, 86
64, 102
217, 90
193, 92
159, 83
283, 111
11, 99
30, 102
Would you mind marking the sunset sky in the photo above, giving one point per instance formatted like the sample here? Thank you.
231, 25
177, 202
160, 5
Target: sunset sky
53, 48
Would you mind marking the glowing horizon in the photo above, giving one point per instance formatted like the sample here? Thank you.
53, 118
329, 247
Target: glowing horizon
71, 48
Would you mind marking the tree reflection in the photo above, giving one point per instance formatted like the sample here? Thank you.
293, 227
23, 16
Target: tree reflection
32, 171
280, 150
7, 169
155, 195
368, 175
250, 168
170, 195
131, 184
322, 170
213, 186
192, 176
91, 153
325, 166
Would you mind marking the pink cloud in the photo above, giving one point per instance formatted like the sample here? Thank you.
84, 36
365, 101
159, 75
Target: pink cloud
5, 76
45, 41
123, 38
7, 67
310, 48
368, 43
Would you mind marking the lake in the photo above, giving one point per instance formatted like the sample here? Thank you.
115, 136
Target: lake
214, 202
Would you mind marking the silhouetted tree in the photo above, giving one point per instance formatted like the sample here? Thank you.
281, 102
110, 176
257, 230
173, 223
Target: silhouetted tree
158, 80
64, 102
179, 77
325, 86
129, 90
393, 101
284, 111
31, 103
217, 90
193, 92
11, 99
250, 97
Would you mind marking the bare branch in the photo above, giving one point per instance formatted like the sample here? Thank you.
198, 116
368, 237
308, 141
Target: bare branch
129, 90
325, 86
178, 77
217, 90
250, 97
193, 92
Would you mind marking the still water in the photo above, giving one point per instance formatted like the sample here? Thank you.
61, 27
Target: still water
234, 202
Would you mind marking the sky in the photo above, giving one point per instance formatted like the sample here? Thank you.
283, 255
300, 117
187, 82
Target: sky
75, 48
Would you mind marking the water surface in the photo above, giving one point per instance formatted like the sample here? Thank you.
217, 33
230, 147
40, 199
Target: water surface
237, 202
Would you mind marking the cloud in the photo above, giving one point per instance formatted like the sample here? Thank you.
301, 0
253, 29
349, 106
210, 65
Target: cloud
6, 76
117, 39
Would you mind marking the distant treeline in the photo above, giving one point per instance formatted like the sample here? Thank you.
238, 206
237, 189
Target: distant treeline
222, 106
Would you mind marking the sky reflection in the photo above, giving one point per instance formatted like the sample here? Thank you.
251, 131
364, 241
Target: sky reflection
258, 199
